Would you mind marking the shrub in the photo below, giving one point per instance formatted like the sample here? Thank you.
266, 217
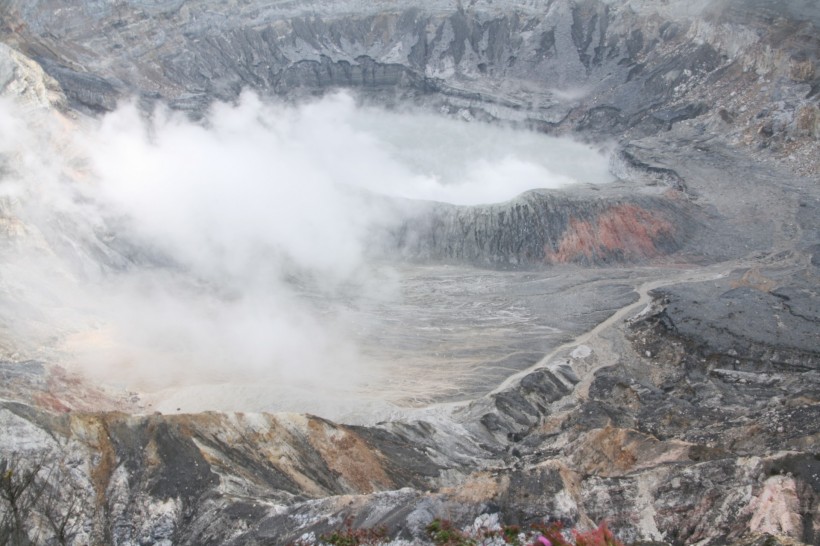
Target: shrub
37, 505
601, 536
443, 533
551, 532
348, 536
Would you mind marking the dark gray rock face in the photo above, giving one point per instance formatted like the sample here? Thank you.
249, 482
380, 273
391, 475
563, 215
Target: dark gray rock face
546, 228
594, 66
196, 52
738, 369
694, 422
744, 322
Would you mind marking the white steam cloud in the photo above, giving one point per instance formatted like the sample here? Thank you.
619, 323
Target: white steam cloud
227, 242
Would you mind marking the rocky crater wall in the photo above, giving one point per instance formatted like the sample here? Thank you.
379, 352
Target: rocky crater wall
592, 66
693, 423
547, 228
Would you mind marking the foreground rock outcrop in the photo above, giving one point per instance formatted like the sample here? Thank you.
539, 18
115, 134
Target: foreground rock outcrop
681, 440
687, 414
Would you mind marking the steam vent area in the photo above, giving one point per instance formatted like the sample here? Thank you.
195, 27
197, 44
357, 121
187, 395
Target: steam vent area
434, 273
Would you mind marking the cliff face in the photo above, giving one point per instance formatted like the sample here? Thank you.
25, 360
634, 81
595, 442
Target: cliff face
544, 229
602, 67
199, 51
683, 406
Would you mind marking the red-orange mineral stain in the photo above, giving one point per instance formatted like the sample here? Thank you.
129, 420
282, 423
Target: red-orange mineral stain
627, 230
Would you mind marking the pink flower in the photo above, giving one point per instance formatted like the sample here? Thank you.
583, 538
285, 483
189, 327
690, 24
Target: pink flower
545, 541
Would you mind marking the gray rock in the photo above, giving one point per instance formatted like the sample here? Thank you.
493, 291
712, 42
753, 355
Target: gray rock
695, 422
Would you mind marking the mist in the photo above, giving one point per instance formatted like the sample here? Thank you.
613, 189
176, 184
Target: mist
161, 253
